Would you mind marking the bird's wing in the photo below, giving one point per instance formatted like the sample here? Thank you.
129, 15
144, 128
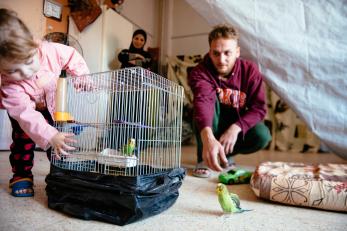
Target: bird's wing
235, 198
225, 202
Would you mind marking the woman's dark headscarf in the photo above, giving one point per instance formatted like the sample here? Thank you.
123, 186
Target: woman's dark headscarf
138, 50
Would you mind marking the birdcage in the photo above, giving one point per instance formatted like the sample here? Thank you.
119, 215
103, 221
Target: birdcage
127, 127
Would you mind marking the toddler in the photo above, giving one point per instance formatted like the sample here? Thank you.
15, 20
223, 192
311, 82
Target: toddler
29, 71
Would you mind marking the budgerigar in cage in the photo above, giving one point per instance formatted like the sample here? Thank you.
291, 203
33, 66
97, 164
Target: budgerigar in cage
129, 148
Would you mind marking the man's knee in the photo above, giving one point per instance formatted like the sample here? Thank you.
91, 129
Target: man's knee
262, 135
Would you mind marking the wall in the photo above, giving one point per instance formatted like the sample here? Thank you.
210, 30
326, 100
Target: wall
101, 42
172, 25
189, 30
187, 33
144, 14
31, 12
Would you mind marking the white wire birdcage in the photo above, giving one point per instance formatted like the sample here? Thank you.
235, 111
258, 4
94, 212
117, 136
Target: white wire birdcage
131, 104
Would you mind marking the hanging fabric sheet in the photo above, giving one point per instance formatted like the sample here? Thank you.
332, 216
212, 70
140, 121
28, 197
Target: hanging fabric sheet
301, 49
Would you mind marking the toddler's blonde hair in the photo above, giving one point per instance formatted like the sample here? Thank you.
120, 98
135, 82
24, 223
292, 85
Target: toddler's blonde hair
16, 41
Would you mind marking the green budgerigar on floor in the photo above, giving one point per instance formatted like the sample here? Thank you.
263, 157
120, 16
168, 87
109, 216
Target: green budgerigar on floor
230, 202
129, 148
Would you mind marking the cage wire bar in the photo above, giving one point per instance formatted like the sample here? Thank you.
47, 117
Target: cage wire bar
109, 110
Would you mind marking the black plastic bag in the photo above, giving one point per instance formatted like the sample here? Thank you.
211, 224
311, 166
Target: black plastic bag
118, 200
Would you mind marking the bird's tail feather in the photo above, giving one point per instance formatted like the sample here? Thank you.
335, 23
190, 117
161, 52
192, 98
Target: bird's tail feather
245, 210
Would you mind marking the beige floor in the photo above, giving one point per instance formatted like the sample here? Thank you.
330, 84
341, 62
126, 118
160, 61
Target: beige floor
197, 207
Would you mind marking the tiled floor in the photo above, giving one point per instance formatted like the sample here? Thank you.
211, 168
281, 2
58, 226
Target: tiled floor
197, 207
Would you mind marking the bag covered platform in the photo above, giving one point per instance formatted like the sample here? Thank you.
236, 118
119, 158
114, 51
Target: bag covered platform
118, 200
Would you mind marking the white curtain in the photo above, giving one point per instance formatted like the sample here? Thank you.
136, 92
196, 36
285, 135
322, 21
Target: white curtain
301, 48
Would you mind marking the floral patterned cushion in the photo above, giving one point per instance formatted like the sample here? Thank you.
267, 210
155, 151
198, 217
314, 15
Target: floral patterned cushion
322, 186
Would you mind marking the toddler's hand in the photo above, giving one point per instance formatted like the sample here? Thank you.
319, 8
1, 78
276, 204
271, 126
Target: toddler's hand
84, 84
59, 143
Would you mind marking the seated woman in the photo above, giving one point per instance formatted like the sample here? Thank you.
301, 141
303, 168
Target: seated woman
136, 55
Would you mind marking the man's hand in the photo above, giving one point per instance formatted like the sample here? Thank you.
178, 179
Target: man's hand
229, 138
212, 151
59, 143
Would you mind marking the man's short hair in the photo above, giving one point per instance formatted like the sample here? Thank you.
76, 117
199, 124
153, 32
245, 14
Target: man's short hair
223, 31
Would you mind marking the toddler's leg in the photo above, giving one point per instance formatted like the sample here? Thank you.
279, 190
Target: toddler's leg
22, 153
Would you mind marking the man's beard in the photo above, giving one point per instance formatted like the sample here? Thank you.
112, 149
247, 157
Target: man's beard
224, 71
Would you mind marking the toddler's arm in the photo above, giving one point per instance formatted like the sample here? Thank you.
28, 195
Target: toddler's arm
74, 64
22, 109
70, 60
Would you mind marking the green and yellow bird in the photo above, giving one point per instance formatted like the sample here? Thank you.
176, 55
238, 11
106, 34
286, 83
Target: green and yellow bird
129, 148
230, 202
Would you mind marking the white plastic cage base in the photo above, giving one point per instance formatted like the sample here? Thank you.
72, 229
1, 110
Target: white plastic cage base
115, 158
109, 109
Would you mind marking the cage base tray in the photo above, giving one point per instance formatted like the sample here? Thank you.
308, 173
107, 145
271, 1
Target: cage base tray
115, 158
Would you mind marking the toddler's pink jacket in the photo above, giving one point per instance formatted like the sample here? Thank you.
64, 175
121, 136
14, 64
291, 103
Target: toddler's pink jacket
21, 98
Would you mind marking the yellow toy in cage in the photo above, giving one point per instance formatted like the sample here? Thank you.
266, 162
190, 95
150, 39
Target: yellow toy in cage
61, 114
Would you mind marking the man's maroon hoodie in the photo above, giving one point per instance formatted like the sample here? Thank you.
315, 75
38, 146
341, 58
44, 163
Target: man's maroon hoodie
245, 83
